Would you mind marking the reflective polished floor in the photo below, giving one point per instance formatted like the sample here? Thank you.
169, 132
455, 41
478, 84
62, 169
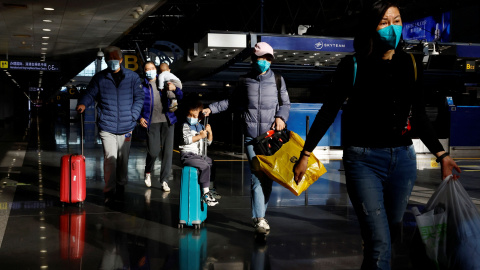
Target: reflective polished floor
318, 231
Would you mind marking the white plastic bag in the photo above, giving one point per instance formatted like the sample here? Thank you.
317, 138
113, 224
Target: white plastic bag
450, 228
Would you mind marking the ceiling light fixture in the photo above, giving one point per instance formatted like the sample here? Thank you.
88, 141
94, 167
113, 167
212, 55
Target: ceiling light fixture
141, 9
46, 29
44, 43
49, 9
47, 20
45, 37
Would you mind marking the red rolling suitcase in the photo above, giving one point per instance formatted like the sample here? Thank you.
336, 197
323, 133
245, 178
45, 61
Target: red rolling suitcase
72, 177
72, 235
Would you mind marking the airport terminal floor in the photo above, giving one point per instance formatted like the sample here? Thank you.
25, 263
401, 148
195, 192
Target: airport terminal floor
141, 231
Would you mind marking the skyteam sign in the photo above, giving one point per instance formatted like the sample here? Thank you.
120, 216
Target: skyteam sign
297, 43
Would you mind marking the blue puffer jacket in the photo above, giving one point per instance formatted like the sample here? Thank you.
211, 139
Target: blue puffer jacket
258, 99
117, 108
148, 103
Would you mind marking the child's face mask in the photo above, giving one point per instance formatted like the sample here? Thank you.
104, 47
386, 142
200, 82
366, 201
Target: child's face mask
192, 121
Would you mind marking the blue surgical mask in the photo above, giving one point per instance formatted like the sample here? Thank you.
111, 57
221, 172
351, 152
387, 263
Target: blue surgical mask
113, 64
262, 65
151, 74
192, 121
390, 35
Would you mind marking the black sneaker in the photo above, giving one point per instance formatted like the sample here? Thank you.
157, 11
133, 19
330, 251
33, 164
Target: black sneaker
209, 199
120, 192
109, 198
215, 194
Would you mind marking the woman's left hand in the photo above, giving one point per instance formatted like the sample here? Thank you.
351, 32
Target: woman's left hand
448, 164
278, 124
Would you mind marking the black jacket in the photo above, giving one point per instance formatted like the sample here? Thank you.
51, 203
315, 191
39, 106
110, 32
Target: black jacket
378, 106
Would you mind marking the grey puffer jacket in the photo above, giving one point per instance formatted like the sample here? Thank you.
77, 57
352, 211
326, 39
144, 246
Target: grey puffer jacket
257, 98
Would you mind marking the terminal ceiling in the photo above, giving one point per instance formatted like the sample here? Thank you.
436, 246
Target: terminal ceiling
80, 28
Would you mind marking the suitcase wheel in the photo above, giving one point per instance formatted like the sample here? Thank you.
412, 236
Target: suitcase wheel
80, 204
180, 225
196, 226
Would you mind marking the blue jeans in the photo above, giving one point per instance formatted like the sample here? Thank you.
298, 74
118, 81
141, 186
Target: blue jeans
379, 183
261, 187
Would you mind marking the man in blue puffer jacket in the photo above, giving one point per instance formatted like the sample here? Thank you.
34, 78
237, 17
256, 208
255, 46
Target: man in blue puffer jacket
263, 108
118, 94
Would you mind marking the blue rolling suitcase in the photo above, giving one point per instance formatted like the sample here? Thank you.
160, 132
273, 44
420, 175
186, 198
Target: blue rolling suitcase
192, 211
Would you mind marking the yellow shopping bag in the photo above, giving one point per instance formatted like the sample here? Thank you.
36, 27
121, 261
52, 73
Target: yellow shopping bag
279, 166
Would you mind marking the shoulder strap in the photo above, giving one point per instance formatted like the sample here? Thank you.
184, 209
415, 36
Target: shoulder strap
414, 65
278, 82
354, 69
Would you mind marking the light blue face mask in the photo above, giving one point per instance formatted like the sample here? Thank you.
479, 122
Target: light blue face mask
113, 64
192, 121
262, 65
390, 35
151, 74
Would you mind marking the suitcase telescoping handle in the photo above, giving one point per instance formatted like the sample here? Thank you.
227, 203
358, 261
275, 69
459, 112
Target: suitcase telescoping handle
81, 127
206, 138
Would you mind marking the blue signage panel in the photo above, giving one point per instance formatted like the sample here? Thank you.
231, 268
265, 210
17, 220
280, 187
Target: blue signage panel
472, 51
462, 131
29, 65
432, 28
296, 43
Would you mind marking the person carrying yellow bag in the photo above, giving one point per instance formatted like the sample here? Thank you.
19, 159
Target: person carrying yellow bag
262, 97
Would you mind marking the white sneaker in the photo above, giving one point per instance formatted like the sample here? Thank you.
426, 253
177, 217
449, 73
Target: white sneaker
261, 225
165, 187
148, 180
209, 199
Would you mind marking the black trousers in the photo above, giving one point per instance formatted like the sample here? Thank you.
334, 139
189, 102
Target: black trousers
160, 144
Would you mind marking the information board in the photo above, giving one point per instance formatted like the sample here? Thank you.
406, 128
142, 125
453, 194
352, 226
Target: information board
29, 65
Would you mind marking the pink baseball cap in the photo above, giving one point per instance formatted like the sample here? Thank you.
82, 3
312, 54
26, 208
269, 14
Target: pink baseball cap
262, 48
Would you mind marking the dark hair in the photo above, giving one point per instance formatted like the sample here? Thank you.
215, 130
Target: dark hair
111, 49
149, 62
268, 56
194, 105
366, 40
